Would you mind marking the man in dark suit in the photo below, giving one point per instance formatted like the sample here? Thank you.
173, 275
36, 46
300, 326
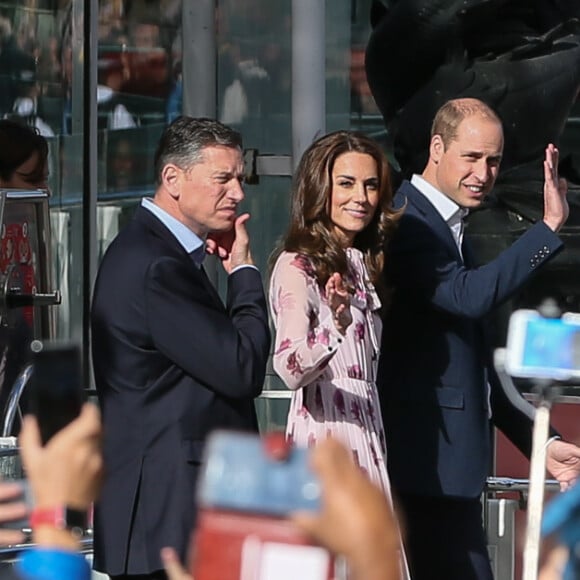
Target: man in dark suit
436, 380
172, 362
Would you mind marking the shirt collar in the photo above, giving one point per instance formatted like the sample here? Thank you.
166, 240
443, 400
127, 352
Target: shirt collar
446, 207
190, 241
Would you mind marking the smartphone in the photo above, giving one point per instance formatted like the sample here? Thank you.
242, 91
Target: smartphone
55, 391
543, 348
244, 497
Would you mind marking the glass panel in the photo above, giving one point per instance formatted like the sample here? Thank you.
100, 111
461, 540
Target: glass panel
365, 115
272, 414
254, 71
139, 76
35, 77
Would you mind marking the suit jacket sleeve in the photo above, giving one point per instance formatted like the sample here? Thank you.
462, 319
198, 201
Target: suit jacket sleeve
425, 268
514, 419
420, 263
226, 350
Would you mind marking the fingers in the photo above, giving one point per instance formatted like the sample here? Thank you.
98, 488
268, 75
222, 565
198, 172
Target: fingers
240, 228
10, 490
329, 459
552, 157
555, 564
307, 522
210, 246
12, 511
340, 286
242, 219
562, 186
219, 244
338, 299
11, 537
172, 565
29, 440
330, 285
551, 165
335, 286
330, 288
556, 208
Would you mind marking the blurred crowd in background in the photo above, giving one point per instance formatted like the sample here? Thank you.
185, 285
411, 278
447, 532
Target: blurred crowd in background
140, 74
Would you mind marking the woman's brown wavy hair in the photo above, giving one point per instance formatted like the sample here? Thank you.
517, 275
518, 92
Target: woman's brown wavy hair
310, 229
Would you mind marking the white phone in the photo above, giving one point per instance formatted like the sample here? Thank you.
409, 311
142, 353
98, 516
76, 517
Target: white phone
543, 348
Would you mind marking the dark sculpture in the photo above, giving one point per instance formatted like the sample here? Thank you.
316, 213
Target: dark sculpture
522, 57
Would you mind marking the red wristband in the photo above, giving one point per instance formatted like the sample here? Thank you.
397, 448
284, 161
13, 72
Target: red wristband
60, 518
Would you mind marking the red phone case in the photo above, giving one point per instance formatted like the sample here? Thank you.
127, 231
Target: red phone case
240, 546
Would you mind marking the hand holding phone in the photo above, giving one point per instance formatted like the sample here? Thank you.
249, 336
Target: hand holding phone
245, 496
56, 396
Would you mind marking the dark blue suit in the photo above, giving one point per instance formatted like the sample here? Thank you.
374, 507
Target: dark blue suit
435, 364
171, 363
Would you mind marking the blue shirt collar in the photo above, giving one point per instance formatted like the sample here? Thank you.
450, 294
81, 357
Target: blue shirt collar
191, 242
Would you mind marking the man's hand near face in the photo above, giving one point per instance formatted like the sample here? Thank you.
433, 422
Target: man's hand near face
232, 247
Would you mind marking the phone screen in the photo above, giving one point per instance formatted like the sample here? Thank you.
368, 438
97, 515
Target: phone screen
244, 498
545, 347
56, 392
238, 475
552, 343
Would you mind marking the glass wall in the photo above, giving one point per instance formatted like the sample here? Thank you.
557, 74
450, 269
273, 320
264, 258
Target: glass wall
140, 61
140, 64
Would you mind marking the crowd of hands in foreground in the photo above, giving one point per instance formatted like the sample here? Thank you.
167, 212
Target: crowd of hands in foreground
355, 521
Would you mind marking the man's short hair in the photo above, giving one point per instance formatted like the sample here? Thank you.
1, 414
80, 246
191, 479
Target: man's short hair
184, 140
453, 112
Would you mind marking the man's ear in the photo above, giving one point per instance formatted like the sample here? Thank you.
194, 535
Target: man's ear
171, 177
436, 148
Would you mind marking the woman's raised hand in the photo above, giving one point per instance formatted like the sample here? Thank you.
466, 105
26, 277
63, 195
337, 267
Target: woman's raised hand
339, 302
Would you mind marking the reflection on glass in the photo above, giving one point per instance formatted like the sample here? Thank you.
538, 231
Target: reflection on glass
140, 90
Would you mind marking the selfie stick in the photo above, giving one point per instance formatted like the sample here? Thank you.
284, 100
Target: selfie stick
541, 416
537, 481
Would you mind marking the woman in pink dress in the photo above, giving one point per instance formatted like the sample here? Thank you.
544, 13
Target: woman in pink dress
325, 297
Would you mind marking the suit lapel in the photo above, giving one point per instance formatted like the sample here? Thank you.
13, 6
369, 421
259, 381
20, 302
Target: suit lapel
209, 286
159, 229
432, 217
467, 251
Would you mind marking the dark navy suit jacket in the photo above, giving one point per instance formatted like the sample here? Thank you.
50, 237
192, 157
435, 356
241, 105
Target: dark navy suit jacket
171, 364
435, 359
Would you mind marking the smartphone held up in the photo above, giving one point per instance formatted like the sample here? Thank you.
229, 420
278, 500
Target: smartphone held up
539, 347
56, 390
55, 396
245, 493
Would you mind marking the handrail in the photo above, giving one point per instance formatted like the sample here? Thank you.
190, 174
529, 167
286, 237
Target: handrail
11, 553
14, 399
499, 484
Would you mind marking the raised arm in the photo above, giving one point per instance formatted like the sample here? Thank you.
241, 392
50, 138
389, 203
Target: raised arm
423, 268
305, 340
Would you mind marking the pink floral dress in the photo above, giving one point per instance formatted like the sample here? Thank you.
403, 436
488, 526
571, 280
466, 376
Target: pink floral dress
332, 376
